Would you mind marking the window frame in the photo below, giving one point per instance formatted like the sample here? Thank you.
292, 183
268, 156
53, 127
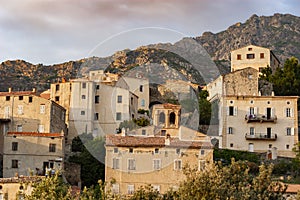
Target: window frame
177, 164
52, 147
156, 164
14, 146
131, 164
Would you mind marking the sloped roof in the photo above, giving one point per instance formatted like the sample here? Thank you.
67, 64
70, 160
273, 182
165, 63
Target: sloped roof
34, 134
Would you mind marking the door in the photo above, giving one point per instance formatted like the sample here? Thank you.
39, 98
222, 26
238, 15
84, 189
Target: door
269, 132
251, 147
269, 113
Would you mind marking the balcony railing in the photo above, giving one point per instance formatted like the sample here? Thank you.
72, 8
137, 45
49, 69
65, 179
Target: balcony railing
260, 118
261, 136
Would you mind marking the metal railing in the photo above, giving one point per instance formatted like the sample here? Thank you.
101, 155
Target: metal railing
261, 136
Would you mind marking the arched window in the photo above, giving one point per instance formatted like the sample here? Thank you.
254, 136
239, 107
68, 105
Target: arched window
162, 117
172, 118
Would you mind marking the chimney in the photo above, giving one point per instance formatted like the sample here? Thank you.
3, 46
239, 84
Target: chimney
123, 132
10, 90
34, 90
273, 94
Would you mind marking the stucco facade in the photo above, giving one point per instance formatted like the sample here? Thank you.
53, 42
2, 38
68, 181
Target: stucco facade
155, 156
253, 56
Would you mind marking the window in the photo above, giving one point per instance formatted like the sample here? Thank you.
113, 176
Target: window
115, 188
239, 57
288, 112
288, 131
116, 150
141, 88
163, 132
156, 151
7, 98
270, 146
83, 96
82, 112
30, 99
251, 110
56, 87
230, 130
251, 130
14, 164
56, 98
156, 164
52, 147
177, 164
20, 109
249, 49
131, 100
42, 108
143, 102
250, 56
14, 146
231, 144
130, 150
6, 111
156, 187
41, 128
143, 132
97, 87
116, 163
262, 55
20, 98
130, 189
231, 111
202, 152
119, 99
83, 85
287, 146
97, 99
131, 164
96, 117
19, 128
201, 165
178, 151
118, 116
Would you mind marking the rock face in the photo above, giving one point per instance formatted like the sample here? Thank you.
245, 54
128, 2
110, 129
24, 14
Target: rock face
280, 33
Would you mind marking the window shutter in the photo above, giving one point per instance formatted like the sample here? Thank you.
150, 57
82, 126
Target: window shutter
227, 110
266, 111
235, 111
292, 112
292, 131
248, 111
255, 110
272, 112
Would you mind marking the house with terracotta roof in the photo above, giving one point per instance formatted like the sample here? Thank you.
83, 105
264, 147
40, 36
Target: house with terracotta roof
32, 131
157, 155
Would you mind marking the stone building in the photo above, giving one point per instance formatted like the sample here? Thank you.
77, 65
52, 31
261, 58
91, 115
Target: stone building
155, 155
250, 121
255, 57
29, 125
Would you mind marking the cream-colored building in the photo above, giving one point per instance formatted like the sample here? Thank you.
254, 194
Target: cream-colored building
251, 121
155, 155
255, 57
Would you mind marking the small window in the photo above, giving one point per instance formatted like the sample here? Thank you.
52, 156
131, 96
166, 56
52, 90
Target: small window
116, 150
116, 163
41, 128
19, 128
231, 144
131, 164
97, 99
262, 55
287, 146
20, 109
130, 150
118, 116
156, 164
56, 98
202, 152
143, 132
250, 56
97, 87
7, 98
14, 164
270, 146
14, 146
83, 85
163, 132
96, 117
52, 147
130, 189
82, 112
288, 131
20, 98
231, 110
230, 130
249, 49
288, 112
83, 96
57, 87
156, 151
141, 88
42, 108
119, 100
30, 99
143, 102
288, 102
177, 164
178, 151
239, 57
251, 130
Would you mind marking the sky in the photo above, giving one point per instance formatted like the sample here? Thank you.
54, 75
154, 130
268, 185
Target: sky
56, 31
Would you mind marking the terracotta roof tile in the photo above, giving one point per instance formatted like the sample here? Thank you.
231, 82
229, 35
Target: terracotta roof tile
141, 141
17, 93
36, 134
21, 179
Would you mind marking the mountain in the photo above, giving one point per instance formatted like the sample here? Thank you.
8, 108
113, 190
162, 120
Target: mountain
280, 33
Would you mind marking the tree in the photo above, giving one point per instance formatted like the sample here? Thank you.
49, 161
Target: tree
204, 108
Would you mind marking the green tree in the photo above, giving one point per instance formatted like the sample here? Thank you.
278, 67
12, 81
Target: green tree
204, 108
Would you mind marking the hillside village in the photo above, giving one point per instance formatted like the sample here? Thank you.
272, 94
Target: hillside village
37, 129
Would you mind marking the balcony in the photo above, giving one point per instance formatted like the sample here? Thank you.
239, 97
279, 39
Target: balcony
261, 136
260, 118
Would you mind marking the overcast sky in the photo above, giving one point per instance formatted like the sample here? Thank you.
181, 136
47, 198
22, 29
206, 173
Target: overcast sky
47, 31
